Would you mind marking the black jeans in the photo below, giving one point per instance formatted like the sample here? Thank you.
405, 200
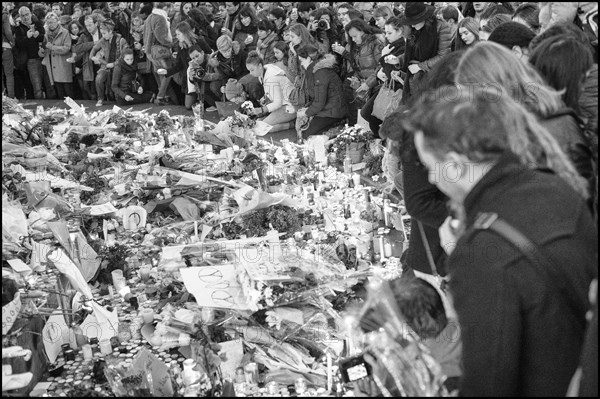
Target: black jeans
64, 90
319, 124
367, 110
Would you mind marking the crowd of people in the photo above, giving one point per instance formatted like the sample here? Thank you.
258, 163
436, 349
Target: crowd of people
486, 99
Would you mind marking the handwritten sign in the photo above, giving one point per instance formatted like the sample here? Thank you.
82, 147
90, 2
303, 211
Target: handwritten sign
215, 286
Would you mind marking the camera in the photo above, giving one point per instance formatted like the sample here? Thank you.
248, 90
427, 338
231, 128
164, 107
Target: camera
198, 73
354, 368
323, 25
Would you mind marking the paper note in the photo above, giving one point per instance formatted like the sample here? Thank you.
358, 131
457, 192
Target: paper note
101, 324
55, 333
214, 286
102, 209
10, 311
19, 266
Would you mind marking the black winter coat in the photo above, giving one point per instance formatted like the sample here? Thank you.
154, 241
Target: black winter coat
425, 203
325, 89
123, 77
520, 338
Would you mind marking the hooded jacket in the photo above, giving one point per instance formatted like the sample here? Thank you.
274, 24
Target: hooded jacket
123, 77
277, 87
325, 92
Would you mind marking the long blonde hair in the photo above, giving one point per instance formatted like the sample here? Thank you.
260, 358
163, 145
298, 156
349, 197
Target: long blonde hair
491, 64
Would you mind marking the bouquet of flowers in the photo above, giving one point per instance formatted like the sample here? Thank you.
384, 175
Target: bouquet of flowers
351, 138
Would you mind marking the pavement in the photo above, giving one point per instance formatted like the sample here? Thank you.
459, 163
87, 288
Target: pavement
90, 106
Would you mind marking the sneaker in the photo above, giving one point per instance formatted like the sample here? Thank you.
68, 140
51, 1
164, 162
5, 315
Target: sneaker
211, 109
99, 103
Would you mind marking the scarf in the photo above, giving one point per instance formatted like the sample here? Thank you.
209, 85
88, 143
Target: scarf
163, 13
425, 43
51, 35
264, 44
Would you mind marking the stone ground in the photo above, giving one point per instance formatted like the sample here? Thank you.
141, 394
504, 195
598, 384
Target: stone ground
90, 106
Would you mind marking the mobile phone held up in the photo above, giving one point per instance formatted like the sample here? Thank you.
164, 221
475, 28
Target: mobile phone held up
354, 368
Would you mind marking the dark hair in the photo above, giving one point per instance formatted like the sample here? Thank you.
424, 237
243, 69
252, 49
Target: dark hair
363, 26
247, 11
549, 59
495, 22
266, 25
308, 51
205, 12
306, 6
442, 74
284, 48
146, 9
59, 6
421, 306
565, 29
355, 14
395, 22
254, 58
126, 51
181, 8
495, 9
347, 6
278, 13
450, 12
530, 13
197, 20
319, 12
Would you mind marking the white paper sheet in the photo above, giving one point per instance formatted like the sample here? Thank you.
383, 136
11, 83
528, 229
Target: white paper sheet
215, 286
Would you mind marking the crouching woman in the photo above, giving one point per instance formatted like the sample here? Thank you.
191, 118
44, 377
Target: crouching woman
325, 91
125, 85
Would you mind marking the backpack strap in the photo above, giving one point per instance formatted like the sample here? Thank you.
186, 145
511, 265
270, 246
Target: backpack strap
543, 265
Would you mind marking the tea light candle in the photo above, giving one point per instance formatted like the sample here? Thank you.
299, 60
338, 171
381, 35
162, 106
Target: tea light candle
356, 179
87, 352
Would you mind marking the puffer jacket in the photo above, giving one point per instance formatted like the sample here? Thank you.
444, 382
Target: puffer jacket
364, 58
277, 87
55, 60
444, 43
123, 77
325, 92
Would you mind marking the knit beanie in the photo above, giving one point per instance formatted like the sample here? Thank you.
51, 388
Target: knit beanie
233, 89
511, 34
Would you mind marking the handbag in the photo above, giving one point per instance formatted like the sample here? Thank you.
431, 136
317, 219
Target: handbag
386, 102
298, 97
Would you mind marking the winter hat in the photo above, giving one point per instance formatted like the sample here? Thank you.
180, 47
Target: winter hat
511, 34
224, 43
416, 12
233, 89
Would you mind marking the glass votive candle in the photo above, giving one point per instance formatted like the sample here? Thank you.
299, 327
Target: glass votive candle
87, 352
147, 315
105, 346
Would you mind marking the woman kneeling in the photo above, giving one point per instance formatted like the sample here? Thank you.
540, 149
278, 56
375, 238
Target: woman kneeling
124, 79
